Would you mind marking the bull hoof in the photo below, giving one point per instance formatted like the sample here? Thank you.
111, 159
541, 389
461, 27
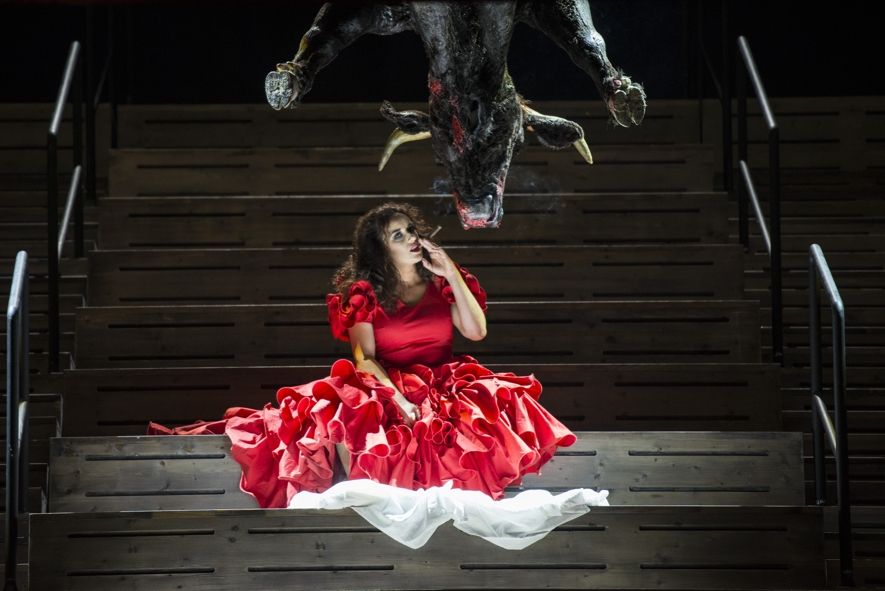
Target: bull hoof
625, 100
285, 86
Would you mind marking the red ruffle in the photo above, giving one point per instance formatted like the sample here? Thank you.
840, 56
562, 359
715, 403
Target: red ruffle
360, 306
480, 429
472, 284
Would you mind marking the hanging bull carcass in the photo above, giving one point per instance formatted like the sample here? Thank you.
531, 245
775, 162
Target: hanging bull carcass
476, 120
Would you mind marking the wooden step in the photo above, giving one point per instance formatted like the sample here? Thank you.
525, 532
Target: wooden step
94, 474
283, 221
353, 170
247, 276
610, 547
728, 397
314, 125
286, 334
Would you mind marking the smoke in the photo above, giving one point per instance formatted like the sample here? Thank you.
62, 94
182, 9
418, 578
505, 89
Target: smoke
525, 179
444, 204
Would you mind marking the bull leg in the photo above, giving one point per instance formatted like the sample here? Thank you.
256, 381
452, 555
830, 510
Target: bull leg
569, 24
335, 27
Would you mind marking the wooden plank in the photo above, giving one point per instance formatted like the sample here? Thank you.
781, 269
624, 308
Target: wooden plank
850, 270
611, 547
830, 243
638, 468
824, 119
870, 378
286, 334
353, 170
329, 221
356, 124
728, 397
247, 276
825, 133
824, 225
41, 380
23, 129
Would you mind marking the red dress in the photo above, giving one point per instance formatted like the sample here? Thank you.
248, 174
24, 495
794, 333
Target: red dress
480, 429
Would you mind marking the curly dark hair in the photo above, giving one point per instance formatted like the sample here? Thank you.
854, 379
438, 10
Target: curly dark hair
370, 259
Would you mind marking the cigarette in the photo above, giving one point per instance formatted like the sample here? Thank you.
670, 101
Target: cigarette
435, 230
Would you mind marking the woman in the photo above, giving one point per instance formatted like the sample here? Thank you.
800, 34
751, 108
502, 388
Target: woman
404, 412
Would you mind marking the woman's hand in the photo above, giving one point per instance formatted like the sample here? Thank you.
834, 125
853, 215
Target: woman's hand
409, 412
439, 263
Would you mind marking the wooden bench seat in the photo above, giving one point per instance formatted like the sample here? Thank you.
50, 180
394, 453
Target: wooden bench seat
830, 243
851, 270
822, 225
358, 124
808, 184
868, 524
728, 397
21, 546
354, 170
826, 133
95, 474
282, 221
287, 334
610, 547
41, 380
44, 422
252, 276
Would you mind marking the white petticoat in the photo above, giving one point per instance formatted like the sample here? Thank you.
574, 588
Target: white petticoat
411, 516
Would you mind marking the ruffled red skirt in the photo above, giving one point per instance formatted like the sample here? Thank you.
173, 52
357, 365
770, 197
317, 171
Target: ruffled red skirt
480, 429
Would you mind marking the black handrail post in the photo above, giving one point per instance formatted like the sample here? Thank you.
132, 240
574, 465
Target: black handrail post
78, 104
24, 385
88, 83
17, 392
820, 488
52, 246
68, 79
818, 269
700, 65
112, 76
845, 546
743, 209
727, 74
774, 242
774, 227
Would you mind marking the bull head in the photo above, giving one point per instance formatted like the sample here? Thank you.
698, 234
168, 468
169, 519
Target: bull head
477, 155
476, 121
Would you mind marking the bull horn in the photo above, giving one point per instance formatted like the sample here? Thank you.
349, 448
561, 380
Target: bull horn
396, 139
584, 150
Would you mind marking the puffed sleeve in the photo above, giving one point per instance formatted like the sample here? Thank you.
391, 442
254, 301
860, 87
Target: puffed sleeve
360, 306
472, 284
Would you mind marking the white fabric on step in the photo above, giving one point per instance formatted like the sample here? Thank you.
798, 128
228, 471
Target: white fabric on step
411, 516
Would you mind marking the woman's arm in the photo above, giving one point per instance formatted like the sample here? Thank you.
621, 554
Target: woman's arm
467, 314
362, 342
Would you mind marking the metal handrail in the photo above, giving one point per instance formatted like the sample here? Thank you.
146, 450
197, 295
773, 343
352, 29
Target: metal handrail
17, 396
837, 436
746, 189
723, 88
70, 83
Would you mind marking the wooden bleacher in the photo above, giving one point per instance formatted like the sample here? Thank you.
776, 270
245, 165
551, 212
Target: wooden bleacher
100, 474
618, 547
281, 275
97, 476
286, 334
822, 162
341, 170
262, 222
617, 397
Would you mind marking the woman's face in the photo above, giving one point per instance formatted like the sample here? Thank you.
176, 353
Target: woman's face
402, 241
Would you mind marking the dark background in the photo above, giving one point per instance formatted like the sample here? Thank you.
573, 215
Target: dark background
220, 52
